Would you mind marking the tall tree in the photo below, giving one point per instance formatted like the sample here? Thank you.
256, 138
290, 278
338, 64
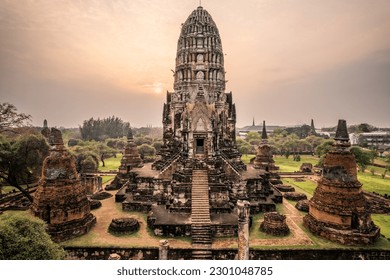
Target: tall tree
21, 160
363, 157
10, 118
111, 127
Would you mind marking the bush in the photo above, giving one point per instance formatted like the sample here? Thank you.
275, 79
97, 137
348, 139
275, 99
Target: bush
89, 164
73, 142
25, 238
147, 150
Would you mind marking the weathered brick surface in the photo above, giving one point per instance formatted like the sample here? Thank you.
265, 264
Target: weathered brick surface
60, 199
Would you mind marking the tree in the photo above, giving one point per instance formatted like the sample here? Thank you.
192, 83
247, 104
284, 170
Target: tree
25, 238
97, 150
10, 118
146, 150
21, 160
252, 135
88, 165
157, 144
361, 128
81, 153
243, 146
363, 157
98, 130
324, 147
73, 142
105, 152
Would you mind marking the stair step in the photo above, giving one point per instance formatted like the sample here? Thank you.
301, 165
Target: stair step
200, 215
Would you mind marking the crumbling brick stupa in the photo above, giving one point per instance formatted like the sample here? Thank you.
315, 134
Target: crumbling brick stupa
60, 199
194, 185
338, 209
131, 159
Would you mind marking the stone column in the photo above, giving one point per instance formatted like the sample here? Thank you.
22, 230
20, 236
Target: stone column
163, 250
243, 207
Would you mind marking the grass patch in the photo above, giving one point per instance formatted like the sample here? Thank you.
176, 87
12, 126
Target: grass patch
9, 189
256, 233
374, 183
307, 186
106, 179
379, 170
25, 214
383, 221
246, 158
289, 165
111, 163
380, 161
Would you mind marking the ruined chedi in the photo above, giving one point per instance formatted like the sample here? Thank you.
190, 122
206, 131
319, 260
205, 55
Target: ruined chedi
264, 158
131, 159
60, 199
338, 209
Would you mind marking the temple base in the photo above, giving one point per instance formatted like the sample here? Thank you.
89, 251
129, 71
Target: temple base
71, 229
345, 237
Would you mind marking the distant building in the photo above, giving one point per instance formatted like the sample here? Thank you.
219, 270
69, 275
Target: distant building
375, 139
242, 132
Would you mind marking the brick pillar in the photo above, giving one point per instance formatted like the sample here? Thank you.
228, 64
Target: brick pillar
243, 229
163, 250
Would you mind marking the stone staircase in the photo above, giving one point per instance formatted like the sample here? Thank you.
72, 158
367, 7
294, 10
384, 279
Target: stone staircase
200, 216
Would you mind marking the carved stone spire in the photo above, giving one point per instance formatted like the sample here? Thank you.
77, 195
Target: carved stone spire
312, 128
342, 132
264, 135
130, 134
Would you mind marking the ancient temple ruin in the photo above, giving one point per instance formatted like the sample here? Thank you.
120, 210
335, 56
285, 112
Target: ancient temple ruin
60, 199
131, 159
193, 187
264, 158
338, 209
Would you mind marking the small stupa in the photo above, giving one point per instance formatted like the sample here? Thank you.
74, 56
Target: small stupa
131, 157
264, 158
338, 209
60, 199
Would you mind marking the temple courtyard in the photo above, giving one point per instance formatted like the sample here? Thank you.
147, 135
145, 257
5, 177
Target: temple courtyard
299, 236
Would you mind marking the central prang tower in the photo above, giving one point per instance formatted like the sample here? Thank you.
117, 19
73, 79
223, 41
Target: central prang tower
199, 118
193, 187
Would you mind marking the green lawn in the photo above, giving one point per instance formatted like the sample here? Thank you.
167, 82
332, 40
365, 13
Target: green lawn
370, 183
111, 163
374, 183
8, 189
246, 158
256, 233
379, 170
380, 161
307, 186
383, 221
289, 165
106, 179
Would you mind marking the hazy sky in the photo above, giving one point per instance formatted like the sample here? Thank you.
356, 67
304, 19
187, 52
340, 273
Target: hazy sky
287, 61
